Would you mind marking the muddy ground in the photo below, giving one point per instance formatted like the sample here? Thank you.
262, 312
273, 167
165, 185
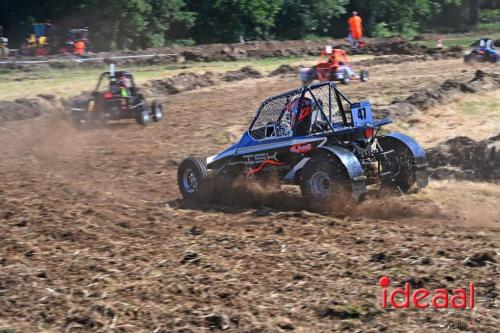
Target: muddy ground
94, 238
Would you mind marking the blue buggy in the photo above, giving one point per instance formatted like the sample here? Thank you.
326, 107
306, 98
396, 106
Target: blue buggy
313, 137
484, 50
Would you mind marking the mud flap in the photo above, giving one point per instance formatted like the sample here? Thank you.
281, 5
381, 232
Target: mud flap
422, 178
354, 170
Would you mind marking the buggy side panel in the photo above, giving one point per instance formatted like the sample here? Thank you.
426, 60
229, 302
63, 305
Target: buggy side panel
418, 155
353, 167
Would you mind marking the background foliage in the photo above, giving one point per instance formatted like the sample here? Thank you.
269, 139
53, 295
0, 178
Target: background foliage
148, 23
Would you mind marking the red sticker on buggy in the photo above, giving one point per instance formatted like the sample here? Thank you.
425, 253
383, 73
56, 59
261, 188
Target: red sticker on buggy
301, 148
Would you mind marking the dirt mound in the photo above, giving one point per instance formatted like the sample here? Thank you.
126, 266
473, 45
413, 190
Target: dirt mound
190, 81
425, 99
26, 108
465, 159
181, 83
394, 59
285, 69
402, 47
232, 52
246, 72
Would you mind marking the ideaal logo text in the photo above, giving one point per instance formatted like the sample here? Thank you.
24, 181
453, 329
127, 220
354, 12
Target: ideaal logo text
421, 298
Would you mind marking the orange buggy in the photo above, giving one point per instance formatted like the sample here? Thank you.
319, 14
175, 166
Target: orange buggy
333, 65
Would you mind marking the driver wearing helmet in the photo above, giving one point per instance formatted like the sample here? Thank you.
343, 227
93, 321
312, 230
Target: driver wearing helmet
300, 113
125, 85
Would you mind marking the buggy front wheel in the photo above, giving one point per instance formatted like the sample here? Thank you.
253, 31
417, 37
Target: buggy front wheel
143, 116
192, 177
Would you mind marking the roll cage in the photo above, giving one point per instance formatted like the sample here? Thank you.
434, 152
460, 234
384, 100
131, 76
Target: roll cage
113, 79
329, 109
486, 43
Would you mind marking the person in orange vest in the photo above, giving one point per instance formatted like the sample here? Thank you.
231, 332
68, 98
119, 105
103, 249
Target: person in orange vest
79, 48
356, 29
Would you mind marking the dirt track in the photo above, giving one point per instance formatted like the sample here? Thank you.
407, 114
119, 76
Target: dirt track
94, 238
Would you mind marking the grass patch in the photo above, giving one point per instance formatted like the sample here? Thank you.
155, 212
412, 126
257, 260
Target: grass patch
490, 26
480, 107
464, 42
71, 81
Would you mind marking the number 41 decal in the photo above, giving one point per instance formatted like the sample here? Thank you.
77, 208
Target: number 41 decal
361, 114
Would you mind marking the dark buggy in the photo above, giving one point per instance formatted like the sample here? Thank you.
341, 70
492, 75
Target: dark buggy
316, 138
115, 97
484, 51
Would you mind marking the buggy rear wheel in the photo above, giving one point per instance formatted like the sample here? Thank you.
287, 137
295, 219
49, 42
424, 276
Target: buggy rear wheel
157, 111
78, 121
191, 177
324, 183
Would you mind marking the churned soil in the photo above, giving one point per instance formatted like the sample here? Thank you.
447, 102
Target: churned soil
95, 238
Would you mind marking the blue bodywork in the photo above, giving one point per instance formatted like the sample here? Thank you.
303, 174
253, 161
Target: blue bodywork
485, 50
349, 135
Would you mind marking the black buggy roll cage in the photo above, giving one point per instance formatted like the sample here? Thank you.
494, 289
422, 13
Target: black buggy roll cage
301, 92
118, 74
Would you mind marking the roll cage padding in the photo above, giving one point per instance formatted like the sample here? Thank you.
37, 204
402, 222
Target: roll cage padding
417, 151
353, 167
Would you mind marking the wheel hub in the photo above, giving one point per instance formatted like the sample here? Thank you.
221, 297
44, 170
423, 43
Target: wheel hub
321, 184
189, 181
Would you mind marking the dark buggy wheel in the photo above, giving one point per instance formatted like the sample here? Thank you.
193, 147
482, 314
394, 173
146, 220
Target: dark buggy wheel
157, 112
78, 119
143, 116
400, 166
325, 184
363, 76
345, 78
192, 177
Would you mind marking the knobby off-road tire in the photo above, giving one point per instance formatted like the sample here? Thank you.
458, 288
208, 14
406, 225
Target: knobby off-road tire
192, 179
325, 184
157, 111
345, 80
363, 76
77, 121
143, 115
402, 164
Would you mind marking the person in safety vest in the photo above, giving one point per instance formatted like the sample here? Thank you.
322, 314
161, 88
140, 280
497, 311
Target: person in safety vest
79, 48
356, 29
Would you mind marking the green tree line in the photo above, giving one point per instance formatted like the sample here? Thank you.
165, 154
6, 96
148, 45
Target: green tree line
117, 24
